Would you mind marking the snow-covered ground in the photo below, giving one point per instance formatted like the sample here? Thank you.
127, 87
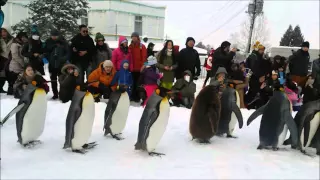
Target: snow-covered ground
111, 159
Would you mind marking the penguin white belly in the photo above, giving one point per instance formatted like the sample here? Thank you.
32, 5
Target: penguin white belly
283, 135
83, 126
233, 121
120, 115
158, 128
314, 125
34, 118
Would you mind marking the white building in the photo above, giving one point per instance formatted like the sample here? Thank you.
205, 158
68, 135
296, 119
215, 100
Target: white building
109, 17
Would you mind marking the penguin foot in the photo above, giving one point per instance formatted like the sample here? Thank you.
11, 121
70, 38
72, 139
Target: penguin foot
117, 137
318, 153
89, 145
260, 147
80, 151
31, 144
275, 148
230, 136
307, 154
204, 141
156, 154
220, 135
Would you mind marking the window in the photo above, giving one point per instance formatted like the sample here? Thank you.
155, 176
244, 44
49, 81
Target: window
138, 24
84, 19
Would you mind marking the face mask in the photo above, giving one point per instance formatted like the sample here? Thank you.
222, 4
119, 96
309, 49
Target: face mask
311, 81
187, 78
35, 37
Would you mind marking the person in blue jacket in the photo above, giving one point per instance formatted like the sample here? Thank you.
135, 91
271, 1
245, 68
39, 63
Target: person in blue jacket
123, 77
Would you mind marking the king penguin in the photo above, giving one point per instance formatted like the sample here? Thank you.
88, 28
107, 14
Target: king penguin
308, 123
79, 122
230, 112
153, 122
205, 115
116, 113
276, 119
30, 114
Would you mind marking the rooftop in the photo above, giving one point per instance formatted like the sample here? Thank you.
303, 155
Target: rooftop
137, 3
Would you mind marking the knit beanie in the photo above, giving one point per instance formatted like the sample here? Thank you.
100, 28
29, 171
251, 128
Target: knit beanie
305, 44
107, 63
190, 39
135, 34
99, 36
151, 61
261, 47
54, 32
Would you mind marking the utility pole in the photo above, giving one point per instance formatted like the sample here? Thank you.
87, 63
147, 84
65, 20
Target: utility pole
254, 10
116, 31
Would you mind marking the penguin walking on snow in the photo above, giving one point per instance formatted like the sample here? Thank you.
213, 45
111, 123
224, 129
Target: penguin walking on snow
30, 114
308, 123
205, 115
79, 122
276, 119
116, 113
230, 112
153, 122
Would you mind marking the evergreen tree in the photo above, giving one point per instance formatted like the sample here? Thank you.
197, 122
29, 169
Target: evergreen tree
286, 40
54, 14
297, 37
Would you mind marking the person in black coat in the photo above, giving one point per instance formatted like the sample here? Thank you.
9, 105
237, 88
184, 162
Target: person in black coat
222, 57
310, 93
299, 64
57, 53
34, 52
82, 48
188, 60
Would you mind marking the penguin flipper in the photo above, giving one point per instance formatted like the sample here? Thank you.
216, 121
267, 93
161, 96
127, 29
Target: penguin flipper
238, 114
257, 113
14, 111
292, 128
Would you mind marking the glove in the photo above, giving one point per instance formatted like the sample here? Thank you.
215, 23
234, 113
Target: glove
160, 75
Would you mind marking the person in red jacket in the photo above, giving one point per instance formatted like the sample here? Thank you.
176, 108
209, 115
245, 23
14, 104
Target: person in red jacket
139, 56
208, 66
122, 53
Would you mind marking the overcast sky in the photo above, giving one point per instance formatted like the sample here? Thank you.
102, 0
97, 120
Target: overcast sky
209, 20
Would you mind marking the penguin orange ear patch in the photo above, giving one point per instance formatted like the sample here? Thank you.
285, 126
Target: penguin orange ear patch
34, 83
78, 88
158, 91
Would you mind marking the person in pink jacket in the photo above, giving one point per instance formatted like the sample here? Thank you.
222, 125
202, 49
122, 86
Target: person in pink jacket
122, 53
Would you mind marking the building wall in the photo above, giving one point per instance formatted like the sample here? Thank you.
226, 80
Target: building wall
14, 12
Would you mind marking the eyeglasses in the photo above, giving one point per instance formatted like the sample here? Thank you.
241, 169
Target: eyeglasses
85, 32
100, 40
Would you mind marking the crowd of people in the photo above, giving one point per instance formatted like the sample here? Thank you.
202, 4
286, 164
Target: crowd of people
140, 71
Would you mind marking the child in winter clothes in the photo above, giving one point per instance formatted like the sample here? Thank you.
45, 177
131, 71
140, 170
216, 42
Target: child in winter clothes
68, 80
293, 92
123, 77
183, 91
26, 78
150, 77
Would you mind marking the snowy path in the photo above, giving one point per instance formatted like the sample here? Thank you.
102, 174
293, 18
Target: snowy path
185, 159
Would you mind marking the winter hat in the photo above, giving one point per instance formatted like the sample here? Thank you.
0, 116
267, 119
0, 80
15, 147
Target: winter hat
225, 44
135, 34
274, 72
99, 36
8, 29
305, 44
151, 61
123, 41
255, 46
107, 63
54, 32
190, 39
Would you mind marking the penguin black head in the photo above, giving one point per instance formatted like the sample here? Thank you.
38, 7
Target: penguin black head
162, 92
39, 82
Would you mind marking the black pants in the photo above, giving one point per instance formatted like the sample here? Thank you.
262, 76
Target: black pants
12, 77
102, 90
209, 74
54, 73
82, 70
135, 92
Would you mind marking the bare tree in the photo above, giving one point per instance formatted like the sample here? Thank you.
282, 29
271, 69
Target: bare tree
260, 33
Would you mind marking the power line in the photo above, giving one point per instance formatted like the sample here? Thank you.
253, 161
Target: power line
228, 21
225, 5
